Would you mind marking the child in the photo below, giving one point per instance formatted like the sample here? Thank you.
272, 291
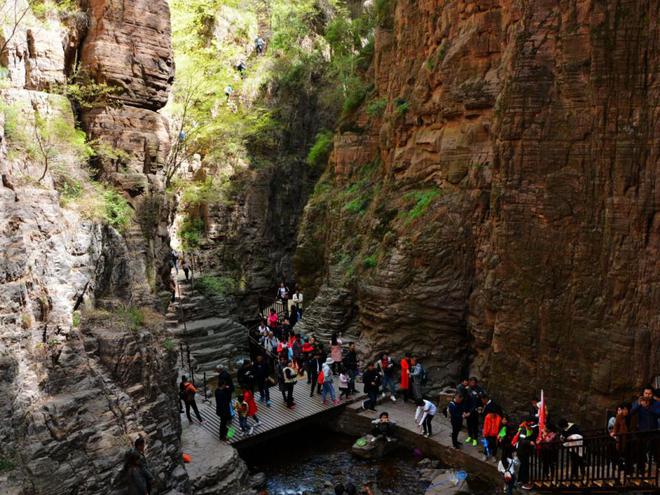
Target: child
508, 466
242, 408
344, 380
248, 398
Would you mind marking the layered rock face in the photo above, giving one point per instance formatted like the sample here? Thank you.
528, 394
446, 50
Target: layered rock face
79, 386
500, 216
128, 46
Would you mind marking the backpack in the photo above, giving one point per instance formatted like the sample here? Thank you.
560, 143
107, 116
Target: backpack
189, 391
321, 379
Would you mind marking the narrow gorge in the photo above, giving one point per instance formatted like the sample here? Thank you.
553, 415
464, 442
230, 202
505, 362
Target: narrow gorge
469, 181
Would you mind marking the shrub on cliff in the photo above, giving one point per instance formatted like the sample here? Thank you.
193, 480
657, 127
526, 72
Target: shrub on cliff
320, 151
117, 212
212, 286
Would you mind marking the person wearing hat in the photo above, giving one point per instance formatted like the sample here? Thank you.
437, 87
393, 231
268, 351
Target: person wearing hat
328, 387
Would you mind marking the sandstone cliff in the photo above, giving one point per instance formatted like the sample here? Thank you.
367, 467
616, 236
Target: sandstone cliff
79, 383
492, 206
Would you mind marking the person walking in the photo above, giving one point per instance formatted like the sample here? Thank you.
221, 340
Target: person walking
424, 415
371, 380
386, 368
189, 392
328, 387
259, 45
298, 300
404, 384
290, 378
248, 397
492, 414
343, 383
245, 376
314, 367
223, 408
456, 414
261, 379
335, 351
138, 448
351, 364
137, 482
416, 375
186, 268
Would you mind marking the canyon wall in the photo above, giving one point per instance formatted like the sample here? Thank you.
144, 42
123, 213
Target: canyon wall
84, 365
492, 206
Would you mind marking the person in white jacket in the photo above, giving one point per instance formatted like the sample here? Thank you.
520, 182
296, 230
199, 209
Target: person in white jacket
424, 415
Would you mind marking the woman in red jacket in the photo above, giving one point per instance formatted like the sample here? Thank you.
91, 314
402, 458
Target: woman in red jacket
404, 385
248, 397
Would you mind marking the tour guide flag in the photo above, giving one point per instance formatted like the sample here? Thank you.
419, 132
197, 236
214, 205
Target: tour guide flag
542, 414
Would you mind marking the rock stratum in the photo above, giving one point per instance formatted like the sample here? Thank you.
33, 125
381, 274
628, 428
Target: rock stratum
85, 363
492, 206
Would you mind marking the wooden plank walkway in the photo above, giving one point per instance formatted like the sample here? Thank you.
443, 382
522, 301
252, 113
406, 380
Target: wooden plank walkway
278, 417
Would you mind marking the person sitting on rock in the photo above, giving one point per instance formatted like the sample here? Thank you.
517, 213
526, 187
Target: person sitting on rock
383, 427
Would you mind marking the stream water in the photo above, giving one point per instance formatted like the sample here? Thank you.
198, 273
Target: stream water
314, 460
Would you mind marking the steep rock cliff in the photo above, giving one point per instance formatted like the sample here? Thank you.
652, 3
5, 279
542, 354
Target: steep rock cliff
492, 206
80, 383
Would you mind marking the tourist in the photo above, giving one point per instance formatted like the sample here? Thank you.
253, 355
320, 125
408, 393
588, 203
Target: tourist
240, 67
138, 483
386, 369
462, 388
314, 367
263, 328
572, 437
245, 375
243, 408
416, 375
259, 45
505, 436
273, 320
297, 300
248, 397
646, 419
335, 351
383, 427
174, 261
457, 413
344, 381
424, 415
371, 381
620, 434
404, 384
261, 378
223, 407
534, 408
172, 290
283, 295
472, 406
228, 92
139, 447
189, 392
224, 376
548, 444
524, 442
293, 314
290, 379
509, 467
351, 364
492, 414
327, 387
186, 268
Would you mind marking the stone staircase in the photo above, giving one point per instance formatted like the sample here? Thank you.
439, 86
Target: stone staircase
202, 326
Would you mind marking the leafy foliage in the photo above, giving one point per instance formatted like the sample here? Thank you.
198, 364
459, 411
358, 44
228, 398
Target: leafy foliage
133, 317
420, 201
370, 261
320, 150
376, 108
212, 286
117, 212
190, 233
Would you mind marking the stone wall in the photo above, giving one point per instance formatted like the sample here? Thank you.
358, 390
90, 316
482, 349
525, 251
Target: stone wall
533, 129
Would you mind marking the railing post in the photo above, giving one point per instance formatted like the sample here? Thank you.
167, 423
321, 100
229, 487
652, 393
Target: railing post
205, 385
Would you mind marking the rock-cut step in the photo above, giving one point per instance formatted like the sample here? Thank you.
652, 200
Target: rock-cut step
208, 326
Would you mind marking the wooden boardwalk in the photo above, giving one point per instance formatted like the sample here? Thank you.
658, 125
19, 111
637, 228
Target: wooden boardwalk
277, 418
